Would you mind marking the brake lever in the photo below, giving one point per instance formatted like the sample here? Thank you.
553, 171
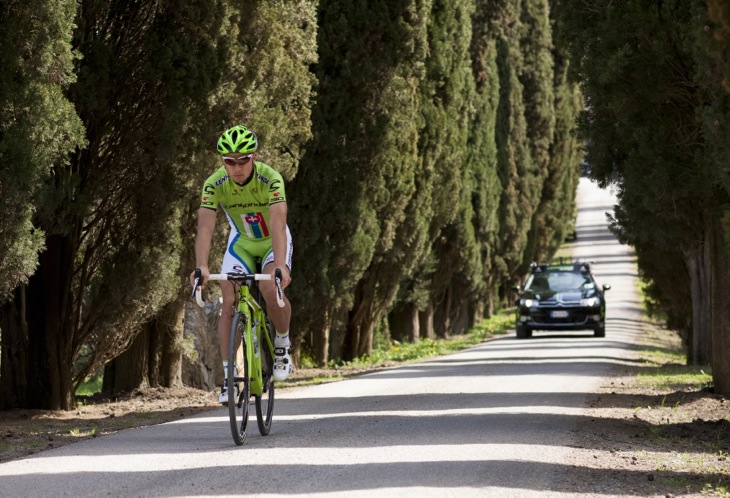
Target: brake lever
279, 291
197, 292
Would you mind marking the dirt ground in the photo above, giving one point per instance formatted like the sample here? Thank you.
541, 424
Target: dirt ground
635, 441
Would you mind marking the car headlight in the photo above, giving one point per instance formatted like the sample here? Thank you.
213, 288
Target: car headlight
590, 302
527, 302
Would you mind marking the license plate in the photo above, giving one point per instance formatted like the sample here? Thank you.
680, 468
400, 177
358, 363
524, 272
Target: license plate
559, 314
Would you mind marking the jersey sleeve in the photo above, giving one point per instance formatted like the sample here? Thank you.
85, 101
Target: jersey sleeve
276, 190
208, 198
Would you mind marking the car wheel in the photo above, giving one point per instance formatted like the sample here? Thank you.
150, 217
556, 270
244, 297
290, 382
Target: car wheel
523, 332
600, 331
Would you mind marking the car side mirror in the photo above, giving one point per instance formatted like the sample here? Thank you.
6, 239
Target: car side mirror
516, 288
606, 287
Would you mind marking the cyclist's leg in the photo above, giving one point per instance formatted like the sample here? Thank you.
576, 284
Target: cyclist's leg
280, 317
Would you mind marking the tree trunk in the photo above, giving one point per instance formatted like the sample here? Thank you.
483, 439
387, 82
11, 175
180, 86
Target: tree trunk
698, 264
202, 369
426, 322
170, 330
442, 315
351, 341
404, 323
477, 313
155, 357
462, 318
721, 307
50, 329
14, 359
37, 335
321, 343
413, 327
358, 333
365, 346
131, 369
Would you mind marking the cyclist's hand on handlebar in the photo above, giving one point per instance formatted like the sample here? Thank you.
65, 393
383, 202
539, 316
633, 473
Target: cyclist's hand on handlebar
204, 272
285, 277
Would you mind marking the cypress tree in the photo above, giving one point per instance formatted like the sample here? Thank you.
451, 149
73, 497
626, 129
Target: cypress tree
711, 54
39, 128
642, 133
556, 213
536, 77
112, 252
445, 108
482, 147
266, 85
350, 194
268, 82
518, 174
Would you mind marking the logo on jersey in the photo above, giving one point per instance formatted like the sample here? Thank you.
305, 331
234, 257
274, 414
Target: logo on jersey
255, 225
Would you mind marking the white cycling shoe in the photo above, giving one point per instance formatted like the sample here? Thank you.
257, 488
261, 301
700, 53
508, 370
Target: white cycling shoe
282, 359
223, 396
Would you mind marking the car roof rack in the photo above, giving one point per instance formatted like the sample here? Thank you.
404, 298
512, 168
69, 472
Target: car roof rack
561, 264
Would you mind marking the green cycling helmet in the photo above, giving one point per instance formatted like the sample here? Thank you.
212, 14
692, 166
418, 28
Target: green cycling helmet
237, 139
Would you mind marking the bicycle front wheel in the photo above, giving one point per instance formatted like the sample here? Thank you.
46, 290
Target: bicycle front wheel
265, 401
237, 379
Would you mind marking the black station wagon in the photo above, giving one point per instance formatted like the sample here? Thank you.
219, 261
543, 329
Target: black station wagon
561, 297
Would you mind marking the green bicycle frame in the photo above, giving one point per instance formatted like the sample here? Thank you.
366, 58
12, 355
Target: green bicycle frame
254, 318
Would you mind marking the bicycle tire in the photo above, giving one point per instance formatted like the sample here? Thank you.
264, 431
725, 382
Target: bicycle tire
265, 402
238, 411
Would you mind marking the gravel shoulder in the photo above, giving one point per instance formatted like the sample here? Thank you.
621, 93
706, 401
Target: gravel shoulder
643, 440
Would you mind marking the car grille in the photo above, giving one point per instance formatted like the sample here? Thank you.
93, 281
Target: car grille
575, 316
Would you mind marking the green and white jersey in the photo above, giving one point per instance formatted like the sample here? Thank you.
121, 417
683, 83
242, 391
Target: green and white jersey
246, 206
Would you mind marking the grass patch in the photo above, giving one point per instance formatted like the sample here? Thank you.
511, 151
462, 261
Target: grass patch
76, 432
92, 384
667, 370
675, 377
500, 323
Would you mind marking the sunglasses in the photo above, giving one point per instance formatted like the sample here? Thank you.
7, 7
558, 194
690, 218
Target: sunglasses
232, 161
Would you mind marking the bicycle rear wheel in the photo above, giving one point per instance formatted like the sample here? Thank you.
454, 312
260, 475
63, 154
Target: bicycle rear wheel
238, 363
265, 402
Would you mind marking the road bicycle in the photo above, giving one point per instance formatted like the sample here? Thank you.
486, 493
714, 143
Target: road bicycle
250, 351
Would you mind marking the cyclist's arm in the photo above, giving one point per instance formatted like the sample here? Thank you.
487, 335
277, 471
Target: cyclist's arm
277, 215
203, 240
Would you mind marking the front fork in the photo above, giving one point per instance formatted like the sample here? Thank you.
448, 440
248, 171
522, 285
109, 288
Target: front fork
253, 353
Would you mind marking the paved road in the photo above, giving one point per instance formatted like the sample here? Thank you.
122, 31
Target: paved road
496, 420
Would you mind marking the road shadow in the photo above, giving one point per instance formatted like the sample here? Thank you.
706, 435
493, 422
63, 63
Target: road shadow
473, 477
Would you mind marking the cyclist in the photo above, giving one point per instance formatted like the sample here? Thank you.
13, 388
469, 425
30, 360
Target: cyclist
251, 194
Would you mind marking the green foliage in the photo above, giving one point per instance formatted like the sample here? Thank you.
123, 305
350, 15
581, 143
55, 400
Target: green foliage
555, 214
482, 149
437, 158
133, 179
538, 83
711, 51
38, 125
519, 173
91, 385
642, 132
446, 172
268, 82
355, 182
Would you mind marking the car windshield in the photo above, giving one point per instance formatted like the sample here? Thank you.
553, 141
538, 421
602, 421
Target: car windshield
559, 282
